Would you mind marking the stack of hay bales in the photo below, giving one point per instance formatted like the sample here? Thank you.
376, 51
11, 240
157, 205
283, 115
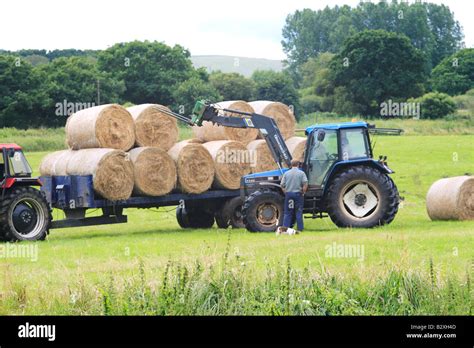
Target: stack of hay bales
98, 139
135, 150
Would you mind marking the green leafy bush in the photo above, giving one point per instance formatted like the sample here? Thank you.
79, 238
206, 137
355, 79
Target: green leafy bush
435, 105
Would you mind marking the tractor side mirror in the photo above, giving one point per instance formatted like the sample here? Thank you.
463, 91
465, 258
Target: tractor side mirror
321, 135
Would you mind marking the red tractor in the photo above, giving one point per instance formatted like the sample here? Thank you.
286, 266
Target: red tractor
24, 211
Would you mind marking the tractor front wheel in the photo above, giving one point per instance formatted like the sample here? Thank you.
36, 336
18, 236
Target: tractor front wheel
263, 211
362, 197
24, 215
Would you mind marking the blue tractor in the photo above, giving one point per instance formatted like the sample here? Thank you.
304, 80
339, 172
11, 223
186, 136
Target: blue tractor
345, 182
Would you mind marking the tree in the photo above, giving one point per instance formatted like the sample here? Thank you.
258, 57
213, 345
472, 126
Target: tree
151, 70
233, 86
276, 86
430, 28
23, 95
455, 74
189, 91
77, 81
375, 66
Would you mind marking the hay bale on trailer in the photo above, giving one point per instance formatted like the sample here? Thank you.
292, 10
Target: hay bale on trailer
154, 171
153, 127
111, 169
296, 146
261, 156
212, 132
55, 163
105, 126
195, 167
231, 161
451, 199
280, 112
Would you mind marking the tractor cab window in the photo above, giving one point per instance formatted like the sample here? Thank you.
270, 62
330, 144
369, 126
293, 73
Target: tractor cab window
322, 155
353, 144
18, 164
2, 167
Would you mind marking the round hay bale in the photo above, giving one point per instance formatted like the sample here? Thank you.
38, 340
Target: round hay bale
261, 157
111, 169
105, 126
281, 113
296, 146
154, 171
194, 141
211, 132
153, 127
194, 165
231, 160
451, 199
55, 163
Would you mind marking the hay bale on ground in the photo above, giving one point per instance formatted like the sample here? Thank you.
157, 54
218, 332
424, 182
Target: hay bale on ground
211, 132
153, 127
111, 169
451, 199
261, 156
231, 160
105, 126
296, 146
280, 112
55, 163
154, 171
194, 165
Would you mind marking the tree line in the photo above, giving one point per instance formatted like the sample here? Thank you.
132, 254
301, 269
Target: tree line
347, 60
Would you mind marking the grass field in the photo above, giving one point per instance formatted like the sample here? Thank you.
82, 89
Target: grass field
151, 266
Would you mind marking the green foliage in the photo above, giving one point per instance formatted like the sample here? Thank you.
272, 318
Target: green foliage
455, 74
186, 94
276, 86
233, 86
374, 66
151, 70
22, 94
430, 28
435, 105
77, 80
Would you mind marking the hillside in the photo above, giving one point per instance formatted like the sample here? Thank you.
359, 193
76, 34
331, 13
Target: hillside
243, 65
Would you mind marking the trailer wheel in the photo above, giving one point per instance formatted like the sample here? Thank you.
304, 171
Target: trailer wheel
362, 197
24, 215
230, 214
194, 217
263, 211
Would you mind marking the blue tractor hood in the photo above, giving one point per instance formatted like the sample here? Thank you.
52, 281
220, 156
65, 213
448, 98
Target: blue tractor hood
270, 173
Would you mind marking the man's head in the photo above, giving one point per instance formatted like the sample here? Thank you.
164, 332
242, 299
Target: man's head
295, 163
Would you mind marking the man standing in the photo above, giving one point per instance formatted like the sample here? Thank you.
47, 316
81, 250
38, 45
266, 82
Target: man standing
294, 184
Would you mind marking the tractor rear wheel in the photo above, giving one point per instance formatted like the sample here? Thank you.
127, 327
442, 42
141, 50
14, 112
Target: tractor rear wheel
230, 214
194, 217
24, 215
362, 197
263, 211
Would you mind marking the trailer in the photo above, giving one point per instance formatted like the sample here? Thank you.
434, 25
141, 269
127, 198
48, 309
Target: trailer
75, 195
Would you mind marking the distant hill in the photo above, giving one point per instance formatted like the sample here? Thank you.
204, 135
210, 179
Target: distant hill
242, 65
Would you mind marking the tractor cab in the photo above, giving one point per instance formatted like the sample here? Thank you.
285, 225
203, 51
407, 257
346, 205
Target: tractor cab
13, 165
329, 145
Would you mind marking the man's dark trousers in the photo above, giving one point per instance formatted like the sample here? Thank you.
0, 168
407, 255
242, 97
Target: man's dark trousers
294, 202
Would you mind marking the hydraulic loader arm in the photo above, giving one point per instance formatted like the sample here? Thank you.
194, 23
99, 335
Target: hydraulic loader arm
266, 125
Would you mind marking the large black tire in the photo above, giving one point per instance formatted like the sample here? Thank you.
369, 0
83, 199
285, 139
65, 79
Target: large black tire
24, 215
194, 217
263, 211
230, 214
350, 198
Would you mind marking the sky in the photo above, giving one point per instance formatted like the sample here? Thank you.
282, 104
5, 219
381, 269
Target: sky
244, 28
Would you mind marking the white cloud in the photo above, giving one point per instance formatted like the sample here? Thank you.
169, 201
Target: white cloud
245, 28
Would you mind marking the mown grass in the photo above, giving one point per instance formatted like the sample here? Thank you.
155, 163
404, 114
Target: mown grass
41, 139
412, 266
